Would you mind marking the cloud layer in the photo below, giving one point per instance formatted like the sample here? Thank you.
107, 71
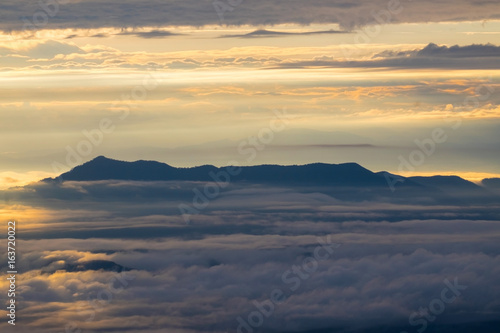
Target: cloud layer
392, 260
134, 13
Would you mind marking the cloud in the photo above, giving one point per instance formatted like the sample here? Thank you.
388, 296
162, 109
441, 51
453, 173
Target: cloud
57, 56
17, 15
40, 51
100, 35
50, 49
262, 33
151, 34
477, 56
381, 274
393, 259
456, 51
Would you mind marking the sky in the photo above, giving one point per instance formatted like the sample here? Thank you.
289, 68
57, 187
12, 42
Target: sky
187, 83
406, 86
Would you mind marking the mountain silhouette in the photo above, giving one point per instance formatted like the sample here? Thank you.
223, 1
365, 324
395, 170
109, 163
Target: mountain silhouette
103, 168
93, 265
347, 181
492, 184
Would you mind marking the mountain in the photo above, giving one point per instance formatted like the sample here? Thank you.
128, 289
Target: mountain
348, 181
102, 168
492, 184
453, 185
450, 182
93, 265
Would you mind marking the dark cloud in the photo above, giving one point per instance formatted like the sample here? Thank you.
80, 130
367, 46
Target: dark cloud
17, 15
477, 56
455, 51
268, 33
94, 36
150, 209
327, 146
151, 34
93, 265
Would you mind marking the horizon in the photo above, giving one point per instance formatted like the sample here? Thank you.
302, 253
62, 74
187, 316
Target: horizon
404, 174
474, 177
250, 166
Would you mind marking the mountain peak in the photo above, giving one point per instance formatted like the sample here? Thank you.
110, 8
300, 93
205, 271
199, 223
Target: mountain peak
100, 158
104, 168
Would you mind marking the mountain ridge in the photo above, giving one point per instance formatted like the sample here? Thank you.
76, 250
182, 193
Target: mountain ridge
345, 181
103, 168
343, 174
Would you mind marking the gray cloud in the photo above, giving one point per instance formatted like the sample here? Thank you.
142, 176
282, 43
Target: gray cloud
382, 273
455, 51
190, 278
477, 56
134, 13
151, 34
268, 33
